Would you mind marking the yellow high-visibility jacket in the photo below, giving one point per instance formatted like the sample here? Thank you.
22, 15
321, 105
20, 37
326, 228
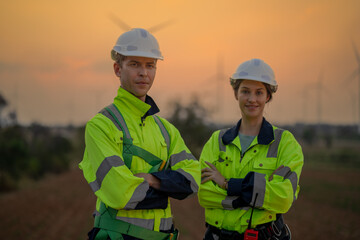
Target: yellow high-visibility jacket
268, 171
114, 183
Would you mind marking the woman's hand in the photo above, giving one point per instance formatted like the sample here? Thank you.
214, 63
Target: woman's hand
153, 181
213, 174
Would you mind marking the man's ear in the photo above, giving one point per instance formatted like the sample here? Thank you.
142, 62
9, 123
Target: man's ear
117, 69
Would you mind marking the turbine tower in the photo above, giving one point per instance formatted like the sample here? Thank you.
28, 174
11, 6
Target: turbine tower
319, 98
220, 85
357, 72
305, 105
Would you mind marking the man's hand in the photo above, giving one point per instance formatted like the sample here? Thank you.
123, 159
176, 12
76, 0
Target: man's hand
213, 174
153, 181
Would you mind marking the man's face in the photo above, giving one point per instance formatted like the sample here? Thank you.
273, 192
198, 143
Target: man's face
136, 75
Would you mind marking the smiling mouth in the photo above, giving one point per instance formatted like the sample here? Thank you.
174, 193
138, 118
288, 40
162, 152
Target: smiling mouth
251, 107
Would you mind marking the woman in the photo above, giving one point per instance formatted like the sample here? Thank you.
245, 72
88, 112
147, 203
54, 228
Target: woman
250, 172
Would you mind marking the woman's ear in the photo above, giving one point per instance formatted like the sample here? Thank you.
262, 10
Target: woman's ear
268, 98
236, 94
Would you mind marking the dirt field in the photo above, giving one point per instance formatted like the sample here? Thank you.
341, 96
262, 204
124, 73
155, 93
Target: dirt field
60, 207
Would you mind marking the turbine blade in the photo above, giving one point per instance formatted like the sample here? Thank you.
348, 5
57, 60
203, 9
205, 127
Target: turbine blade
119, 22
161, 26
351, 76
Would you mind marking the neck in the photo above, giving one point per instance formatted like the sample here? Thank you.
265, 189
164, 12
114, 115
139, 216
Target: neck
141, 98
250, 127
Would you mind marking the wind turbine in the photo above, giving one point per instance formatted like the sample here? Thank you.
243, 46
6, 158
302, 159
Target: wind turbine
216, 85
124, 26
220, 76
305, 103
354, 74
318, 89
352, 95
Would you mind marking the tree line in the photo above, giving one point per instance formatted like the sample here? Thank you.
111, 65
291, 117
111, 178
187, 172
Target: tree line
33, 151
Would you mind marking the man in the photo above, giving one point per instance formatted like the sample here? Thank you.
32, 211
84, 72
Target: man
134, 160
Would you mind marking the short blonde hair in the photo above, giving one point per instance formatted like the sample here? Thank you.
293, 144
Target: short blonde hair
117, 57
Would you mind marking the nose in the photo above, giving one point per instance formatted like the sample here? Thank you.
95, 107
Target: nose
143, 71
251, 98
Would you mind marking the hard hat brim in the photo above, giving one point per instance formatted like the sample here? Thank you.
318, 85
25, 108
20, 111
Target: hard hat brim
233, 79
138, 54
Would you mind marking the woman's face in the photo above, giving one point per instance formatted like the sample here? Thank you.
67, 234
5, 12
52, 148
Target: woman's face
252, 97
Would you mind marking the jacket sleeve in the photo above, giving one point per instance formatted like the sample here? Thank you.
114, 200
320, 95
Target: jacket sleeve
282, 188
277, 191
182, 175
105, 171
210, 194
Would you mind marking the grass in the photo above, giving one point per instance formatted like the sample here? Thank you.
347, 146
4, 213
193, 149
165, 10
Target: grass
343, 195
331, 175
344, 154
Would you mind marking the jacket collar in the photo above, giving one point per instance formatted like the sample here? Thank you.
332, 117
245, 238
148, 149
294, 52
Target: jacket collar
153, 107
135, 105
266, 134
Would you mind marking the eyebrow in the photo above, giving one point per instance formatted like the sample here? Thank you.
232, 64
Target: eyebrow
256, 89
135, 61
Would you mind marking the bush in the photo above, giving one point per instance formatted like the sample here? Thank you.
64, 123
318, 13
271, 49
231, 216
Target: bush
7, 182
31, 152
13, 151
189, 120
309, 135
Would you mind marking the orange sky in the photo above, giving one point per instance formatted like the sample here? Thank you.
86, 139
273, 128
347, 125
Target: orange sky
55, 64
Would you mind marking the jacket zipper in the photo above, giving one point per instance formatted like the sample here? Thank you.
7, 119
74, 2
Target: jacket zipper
141, 127
243, 154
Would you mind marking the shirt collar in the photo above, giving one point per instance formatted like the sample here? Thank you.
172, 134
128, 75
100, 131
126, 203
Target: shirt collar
266, 134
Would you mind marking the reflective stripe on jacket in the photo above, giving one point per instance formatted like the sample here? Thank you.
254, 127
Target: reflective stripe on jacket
269, 169
115, 185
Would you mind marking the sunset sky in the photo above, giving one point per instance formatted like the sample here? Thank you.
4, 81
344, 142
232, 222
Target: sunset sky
55, 65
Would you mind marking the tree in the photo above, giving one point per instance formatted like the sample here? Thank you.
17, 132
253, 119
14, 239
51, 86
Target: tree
14, 154
190, 121
309, 135
3, 104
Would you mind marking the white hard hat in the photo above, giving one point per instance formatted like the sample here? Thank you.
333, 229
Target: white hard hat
255, 69
137, 42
